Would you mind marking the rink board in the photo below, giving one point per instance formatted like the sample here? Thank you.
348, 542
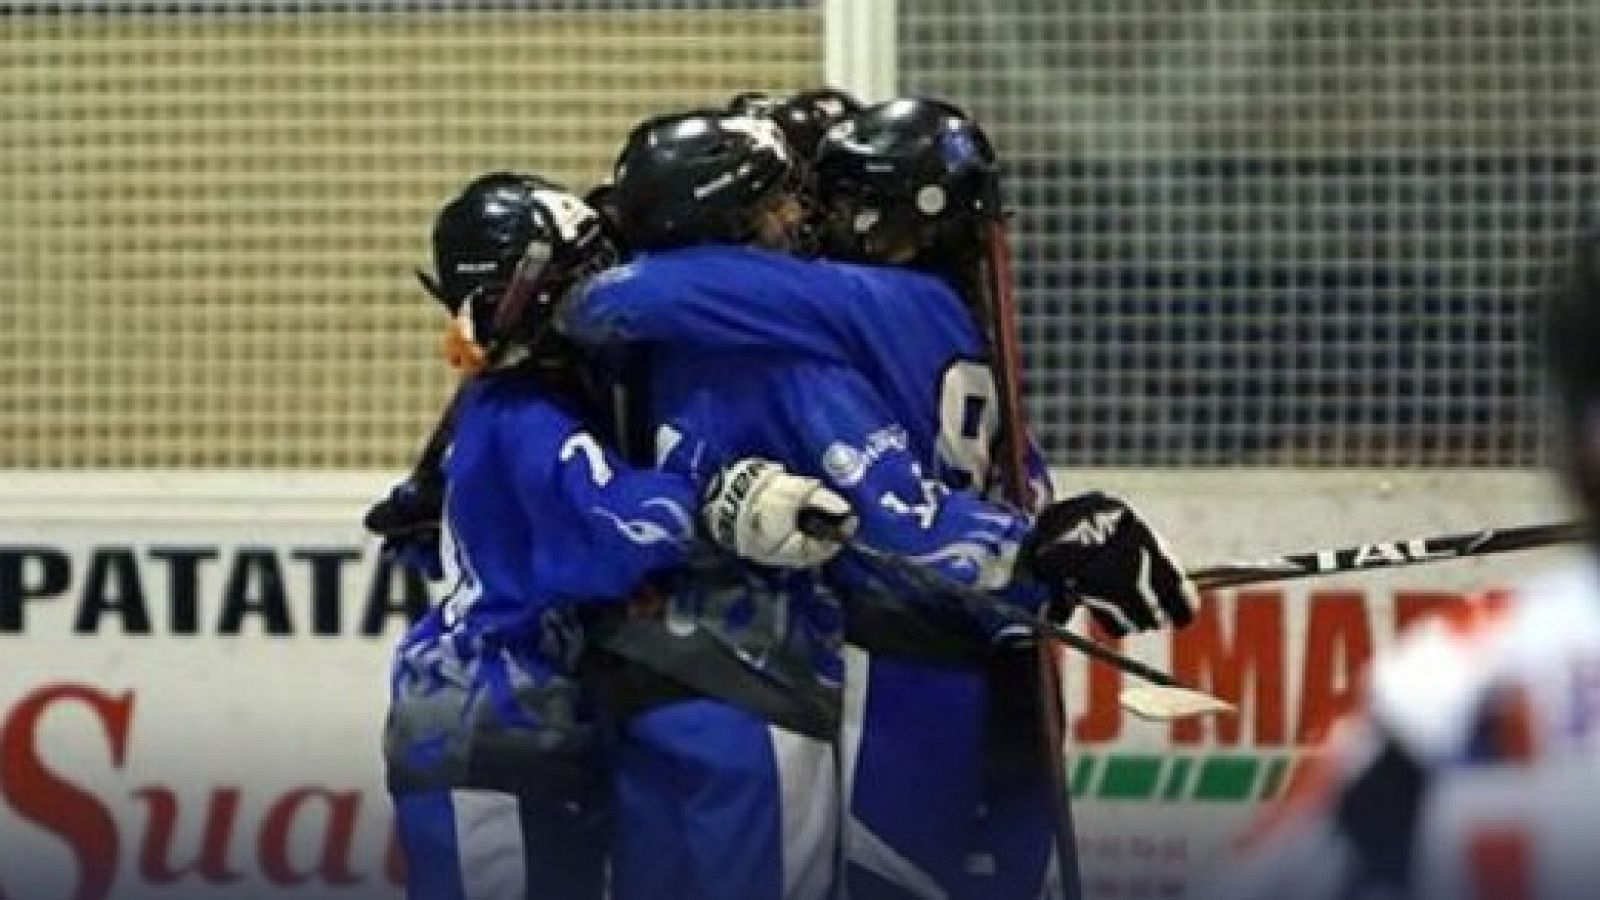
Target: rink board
192, 674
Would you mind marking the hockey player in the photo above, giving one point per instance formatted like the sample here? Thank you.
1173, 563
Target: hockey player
886, 396
728, 706
490, 742
1473, 768
915, 184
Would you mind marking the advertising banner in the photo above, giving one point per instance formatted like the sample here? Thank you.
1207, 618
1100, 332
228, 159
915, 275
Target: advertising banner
192, 675
192, 685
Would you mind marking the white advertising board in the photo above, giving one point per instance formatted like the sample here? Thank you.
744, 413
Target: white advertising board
192, 675
192, 687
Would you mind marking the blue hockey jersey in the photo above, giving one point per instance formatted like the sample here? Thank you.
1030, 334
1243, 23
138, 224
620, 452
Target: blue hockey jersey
873, 378
540, 521
540, 518
877, 380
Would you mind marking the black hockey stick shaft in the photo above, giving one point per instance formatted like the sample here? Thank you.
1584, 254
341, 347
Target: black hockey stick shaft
1391, 554
1008, 367
429, 467
1001, 299
827, 527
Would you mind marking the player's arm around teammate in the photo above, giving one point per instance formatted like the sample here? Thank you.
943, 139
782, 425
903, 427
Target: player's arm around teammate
726, 774
490, 747
923, 428
828, 415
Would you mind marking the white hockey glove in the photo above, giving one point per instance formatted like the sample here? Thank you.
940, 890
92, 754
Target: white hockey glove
1096, 546
753, 507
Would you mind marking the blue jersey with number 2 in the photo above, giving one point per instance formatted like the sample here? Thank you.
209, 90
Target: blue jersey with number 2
540, 518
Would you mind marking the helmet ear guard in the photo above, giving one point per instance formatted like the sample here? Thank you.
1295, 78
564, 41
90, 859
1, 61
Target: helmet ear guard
569, 244
431, 286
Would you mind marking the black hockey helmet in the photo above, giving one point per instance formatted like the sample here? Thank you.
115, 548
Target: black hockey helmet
909, 181
803, 118
507, 249
602, 199
807, 116
1572, 342
753, 103
699, 177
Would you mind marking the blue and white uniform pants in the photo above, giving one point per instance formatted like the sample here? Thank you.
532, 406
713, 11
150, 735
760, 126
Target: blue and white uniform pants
498, 781
714, 803
929, 814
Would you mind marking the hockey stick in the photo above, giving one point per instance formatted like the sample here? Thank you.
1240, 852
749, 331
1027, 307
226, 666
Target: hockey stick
1162, 699
1000, 294
1391, 554
1168, 698
1008, 366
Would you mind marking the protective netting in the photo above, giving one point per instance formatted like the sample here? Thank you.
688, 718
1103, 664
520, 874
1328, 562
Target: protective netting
1256, 232
209, 211
1251, 232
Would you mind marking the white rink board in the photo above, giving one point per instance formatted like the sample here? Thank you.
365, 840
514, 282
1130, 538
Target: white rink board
215, 721
107, 738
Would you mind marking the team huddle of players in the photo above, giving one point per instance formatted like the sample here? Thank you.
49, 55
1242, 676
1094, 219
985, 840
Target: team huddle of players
659, 670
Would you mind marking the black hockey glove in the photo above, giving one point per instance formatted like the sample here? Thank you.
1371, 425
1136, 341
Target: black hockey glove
1097, 547
408, 521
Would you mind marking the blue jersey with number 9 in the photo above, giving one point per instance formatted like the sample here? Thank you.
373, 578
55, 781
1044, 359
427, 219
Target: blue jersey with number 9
874, 378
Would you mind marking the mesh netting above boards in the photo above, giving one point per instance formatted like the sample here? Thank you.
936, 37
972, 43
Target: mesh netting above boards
209, 211
1250, 232
1269, 233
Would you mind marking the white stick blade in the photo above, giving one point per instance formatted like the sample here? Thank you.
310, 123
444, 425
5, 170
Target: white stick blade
1156, 703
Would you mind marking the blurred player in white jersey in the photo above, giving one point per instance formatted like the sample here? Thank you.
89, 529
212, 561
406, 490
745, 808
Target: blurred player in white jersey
1473, 771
